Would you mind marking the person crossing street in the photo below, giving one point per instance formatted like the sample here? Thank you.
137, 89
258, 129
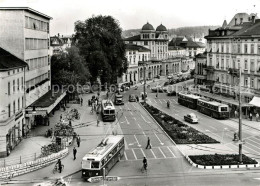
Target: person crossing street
74, 153
148, 144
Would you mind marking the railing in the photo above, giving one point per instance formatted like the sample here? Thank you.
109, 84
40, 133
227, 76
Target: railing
4, 162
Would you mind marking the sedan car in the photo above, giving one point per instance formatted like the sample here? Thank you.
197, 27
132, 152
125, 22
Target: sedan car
171, 93
132, 98
192, 118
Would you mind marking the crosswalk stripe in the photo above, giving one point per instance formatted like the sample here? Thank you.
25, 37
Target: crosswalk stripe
134, 154
125, 156
171, 151
162, 152
142, 152
153, 153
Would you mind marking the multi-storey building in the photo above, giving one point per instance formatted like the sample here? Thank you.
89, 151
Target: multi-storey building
24, 32
233, 47
12, 82
200, 69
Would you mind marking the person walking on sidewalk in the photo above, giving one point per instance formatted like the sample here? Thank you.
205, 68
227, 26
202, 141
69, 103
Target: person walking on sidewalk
236, 114
78, 141
250, 116
148, 144
60, 117
59, 165
81, 101
257, 116
74, 153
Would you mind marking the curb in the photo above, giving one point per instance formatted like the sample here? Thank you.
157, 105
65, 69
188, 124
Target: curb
16, 170
221, 166
202, 166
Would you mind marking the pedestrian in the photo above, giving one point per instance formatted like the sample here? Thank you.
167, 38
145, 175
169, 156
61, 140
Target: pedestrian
148, 144
157, 95
236, 114
78, 141
74, 153
70, 123
81, 101
60, 117
97, 122
250, 116
257, 116
89, 102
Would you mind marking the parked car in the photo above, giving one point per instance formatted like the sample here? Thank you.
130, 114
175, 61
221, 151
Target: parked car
192, 118
132, 98
171, 93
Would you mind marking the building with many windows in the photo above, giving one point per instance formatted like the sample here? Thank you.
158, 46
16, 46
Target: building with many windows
200, 69
12, 82
233, 47
59, 43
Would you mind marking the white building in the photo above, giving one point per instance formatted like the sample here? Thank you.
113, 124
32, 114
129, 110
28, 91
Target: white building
12, 81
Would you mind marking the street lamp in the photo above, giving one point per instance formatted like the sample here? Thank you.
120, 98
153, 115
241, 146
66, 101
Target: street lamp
144, 64
240, 119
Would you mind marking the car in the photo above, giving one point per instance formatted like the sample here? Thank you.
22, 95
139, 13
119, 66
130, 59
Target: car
192, 118
166, 83
169, 77
171, 93
119, 99
157, 89
132, 98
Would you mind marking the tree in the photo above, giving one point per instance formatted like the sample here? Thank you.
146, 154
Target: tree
69, 68
99, 41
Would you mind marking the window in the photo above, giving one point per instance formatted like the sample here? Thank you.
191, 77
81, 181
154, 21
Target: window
18, 104
252, 49
9, 110
238, 48
227, 49
246, 82
18, 82
258, 66
258, 49
13, 85
222, 48
246, 64
9, 91
22, 82
245, 48
222, 63
227, 63
22, 102
210, 61
14, 107
252, 83
145, 42
252, 65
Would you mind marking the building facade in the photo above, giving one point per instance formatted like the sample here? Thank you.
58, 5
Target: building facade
59, 43
12, 83
200, 69
231, 48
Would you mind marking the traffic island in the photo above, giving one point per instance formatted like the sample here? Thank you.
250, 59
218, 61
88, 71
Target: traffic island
179, 132
221, 161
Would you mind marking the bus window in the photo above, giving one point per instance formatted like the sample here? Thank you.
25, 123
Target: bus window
112, 111
223, 109
95, 164
86, 164
106, 111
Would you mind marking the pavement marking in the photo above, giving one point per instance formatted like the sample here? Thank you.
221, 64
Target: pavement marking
212, 133
160, 101
131, 113
171, 151
144, 133
158, 139
134, 106
127, 122
153, 153
145, 119
139, 125
164, 100
213, 128
134, 154
125, 156
174, 100
142, 152
138, 144
150, 159
252, 145
155, 101
162, 152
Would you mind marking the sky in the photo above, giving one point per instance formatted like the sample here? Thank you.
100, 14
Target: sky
134, 14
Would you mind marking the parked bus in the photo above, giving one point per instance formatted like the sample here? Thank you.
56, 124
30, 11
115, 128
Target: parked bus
105, 155
188, 100
213, 108
108, 111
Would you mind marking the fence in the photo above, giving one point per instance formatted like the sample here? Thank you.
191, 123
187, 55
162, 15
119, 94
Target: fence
4, 162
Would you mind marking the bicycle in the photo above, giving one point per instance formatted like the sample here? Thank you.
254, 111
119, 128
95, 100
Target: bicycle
56, 169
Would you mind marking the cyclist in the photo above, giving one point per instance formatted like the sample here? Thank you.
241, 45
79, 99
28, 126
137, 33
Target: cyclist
59, 165
144, 163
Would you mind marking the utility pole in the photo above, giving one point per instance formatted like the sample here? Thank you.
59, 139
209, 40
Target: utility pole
240, 119
144, 83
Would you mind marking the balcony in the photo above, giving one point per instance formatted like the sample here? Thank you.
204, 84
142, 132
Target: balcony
210, 69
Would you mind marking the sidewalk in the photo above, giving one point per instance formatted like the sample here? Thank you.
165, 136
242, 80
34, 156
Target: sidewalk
86, 127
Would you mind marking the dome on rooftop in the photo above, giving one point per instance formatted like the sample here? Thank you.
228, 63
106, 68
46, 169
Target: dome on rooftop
161, 28
147, 26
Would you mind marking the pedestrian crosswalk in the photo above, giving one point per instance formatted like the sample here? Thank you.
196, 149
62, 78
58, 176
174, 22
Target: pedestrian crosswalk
163, 152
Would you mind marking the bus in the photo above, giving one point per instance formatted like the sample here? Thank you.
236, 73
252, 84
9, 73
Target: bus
108, 111
105, 155
213, 109
188, 100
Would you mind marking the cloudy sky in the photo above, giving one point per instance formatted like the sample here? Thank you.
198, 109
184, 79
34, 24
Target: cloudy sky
135, 13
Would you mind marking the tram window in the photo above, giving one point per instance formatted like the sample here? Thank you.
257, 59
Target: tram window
106, 111
112, 111
95, 164
223, 109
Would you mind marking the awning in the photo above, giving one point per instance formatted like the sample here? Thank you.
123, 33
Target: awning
45, 104
255, 101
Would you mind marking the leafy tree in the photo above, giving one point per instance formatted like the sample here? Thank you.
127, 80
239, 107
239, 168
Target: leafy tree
100, 42
69, 68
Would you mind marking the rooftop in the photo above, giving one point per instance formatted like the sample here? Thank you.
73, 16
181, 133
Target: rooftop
9, 61
26, 8
137, 47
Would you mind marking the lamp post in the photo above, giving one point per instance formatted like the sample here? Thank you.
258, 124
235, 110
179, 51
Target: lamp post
144, 83
240, 119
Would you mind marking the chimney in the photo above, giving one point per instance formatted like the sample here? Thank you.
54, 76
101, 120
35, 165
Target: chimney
253, 18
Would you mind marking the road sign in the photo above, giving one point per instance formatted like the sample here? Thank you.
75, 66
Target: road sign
95, 179
112, 178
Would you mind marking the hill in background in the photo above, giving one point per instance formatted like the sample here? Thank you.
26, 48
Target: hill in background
197, 31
